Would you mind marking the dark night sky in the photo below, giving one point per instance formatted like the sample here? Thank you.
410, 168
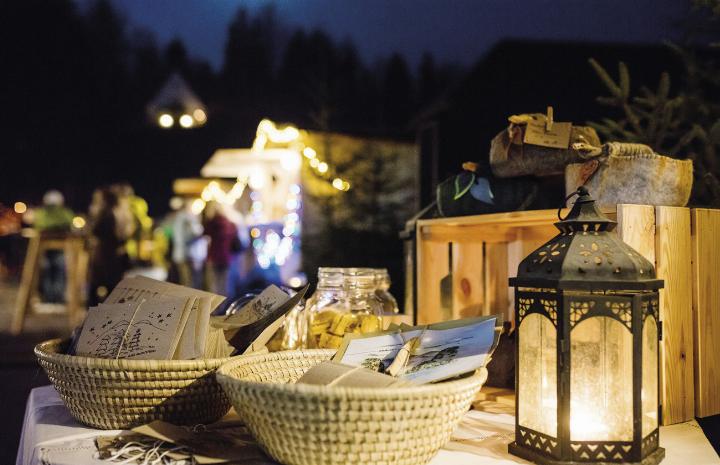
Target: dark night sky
453, 30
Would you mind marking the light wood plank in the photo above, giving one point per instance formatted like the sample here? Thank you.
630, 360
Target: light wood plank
468, 233
432, 263
28, 282
514, 219
496, 281
636, 227
468, 281
673, 251
706, 310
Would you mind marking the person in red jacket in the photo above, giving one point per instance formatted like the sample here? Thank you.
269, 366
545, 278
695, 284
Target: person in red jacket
224, 241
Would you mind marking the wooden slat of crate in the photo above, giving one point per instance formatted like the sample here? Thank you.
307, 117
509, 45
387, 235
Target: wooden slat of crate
706, 310
432, 266
468, 279
673, 255
636, 227
496, 277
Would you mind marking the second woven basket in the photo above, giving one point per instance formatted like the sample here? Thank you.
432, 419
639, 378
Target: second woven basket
300, 424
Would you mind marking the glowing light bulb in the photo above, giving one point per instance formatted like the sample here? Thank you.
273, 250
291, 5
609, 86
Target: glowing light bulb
322, 167
200, 115
165, 120
254, 233
309, 152
186, 121
314, 162
78, 222
338, 184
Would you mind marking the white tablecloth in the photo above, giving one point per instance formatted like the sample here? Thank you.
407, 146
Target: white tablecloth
481, 438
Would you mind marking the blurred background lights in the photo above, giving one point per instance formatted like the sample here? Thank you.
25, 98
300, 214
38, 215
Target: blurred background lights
20, 207
199, 116
78, 222
165, 120
186, 121
314, 162
322, 167
309, 152
254, 233
197, 206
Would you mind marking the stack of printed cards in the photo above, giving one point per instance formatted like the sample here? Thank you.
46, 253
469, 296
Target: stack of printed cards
153, 320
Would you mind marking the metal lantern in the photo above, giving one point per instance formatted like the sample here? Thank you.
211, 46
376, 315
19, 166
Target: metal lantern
586, 308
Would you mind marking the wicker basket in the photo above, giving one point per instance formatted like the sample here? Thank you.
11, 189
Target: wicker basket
300, 424
121, 394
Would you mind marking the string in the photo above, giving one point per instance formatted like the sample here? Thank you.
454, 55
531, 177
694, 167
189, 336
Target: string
127, 330
133, 452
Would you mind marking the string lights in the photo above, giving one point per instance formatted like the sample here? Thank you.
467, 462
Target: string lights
267, 131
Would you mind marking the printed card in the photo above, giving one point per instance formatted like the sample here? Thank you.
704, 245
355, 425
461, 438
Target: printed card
148, 329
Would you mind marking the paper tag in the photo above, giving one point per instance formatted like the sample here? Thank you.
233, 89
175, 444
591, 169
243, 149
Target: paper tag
558, 137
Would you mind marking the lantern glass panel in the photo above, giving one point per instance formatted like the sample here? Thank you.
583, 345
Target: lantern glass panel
601, 381
537, 373
649, 393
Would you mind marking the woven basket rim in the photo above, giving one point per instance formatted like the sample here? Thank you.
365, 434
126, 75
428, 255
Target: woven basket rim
225, 376
48, 351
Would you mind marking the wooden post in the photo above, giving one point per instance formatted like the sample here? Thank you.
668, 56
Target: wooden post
28, 280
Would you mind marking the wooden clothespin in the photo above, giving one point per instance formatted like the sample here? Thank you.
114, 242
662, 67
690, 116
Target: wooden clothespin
549, 119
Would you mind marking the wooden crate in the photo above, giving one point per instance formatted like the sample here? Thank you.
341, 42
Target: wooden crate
483, 251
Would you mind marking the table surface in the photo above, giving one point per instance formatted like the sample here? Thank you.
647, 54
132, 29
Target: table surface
51, 434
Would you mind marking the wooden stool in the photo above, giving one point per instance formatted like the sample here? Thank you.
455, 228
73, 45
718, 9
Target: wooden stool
76, 262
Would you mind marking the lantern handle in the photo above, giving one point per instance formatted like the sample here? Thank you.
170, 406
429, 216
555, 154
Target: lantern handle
582, 190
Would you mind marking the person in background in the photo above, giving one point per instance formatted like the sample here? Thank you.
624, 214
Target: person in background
137, 208
186, 229
111, 225
224, 243
53, 218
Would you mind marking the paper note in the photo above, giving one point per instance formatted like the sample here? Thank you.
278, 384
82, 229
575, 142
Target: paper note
557, 137
258, 308
330, 373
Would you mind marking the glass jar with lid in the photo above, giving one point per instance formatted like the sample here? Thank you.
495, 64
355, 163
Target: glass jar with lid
328, 301
366, 308
382, 290
344, 302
